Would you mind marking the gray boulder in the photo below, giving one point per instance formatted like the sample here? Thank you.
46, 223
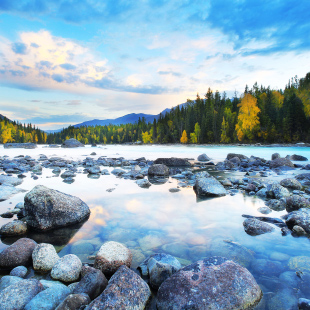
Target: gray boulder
291, 183
143, 183
18, 295
111, 256
240, 156
13, 228
49, 299
158, 170
19, 271
74, 302
126, 290
297, 157
159, 267
209, 187
275, 156
296, 202
281, 162
214, 283
19, 145
70, 143
94, 170
68, 174
203, 157
6, 281
254, 227
300, 218
93, 282
173, 162
276, 191
67, 268
48, 209
44, 257
17, 254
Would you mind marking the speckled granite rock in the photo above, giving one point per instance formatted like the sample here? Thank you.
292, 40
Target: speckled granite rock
214, 283
209, 187
126, 290
296, 202
17, 254
111, 256
48, 209
158, 170
280, 162
44, 257
300, 218
19, 271
254, 227
72, 143
93, 282
74, 302
67, 268
13, 228
18, 295
6, 281
291, 183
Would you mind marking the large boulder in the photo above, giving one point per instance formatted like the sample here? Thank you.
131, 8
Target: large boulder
18, 295
159, 267
17, 254
67, 268
276, 191
275, 156
111, 256
70, 143
48, 209
254, 227
92, 283
158, 170
208, 186
126, 290
300, 218
281, 162
173, 162
291, 183
214, 283
297, 157
20, 146
203, 157
296, 202
44, 257
240, 156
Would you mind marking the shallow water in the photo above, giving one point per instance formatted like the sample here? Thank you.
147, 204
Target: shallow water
155, 220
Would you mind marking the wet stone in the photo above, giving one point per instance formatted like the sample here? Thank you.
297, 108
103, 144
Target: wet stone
67, 268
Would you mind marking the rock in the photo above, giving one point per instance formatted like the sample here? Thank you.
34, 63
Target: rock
7, 191
209, 187
49, 299
67, 174
299, 263
174, 190
72, 143
297, 157
82, 247
284, 299
48, 209
203, 157
304, 304
275, 156
279, 256
226, 182
94, 170
126, 290
158, 170
291, 183
144, 183
160, 267
49, 283
265, 267
240, 156
19, 271
18, 295
6, 281
10, 181
13, 228
20, 145
276, 191
92, 283
300, 218
281, 162
111, 256
214, 283
254, 227
67, 268
298, 231
277, 205
74, 302
295, 202
264, 210
17, 254
44, 257
173, 162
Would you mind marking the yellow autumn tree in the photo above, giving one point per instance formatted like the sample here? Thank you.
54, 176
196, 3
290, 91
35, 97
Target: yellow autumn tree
248, 119
184, 138
146, 137
277, 98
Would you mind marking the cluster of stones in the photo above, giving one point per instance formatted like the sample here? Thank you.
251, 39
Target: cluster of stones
74, 285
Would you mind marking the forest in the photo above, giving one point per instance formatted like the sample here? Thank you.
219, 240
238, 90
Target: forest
260, 114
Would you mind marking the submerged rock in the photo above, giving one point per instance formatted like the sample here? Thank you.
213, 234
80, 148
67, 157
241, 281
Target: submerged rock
299, 263
126, 290
209, 187
254, 227
214, 283
70, 143
48, 209
111, 256
17, 254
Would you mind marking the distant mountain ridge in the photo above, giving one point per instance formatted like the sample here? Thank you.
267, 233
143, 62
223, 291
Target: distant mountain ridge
126, 119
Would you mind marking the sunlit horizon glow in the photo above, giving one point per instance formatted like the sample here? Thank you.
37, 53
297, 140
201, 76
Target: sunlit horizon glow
65, 62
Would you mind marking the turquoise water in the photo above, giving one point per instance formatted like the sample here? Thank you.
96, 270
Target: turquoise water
155, 220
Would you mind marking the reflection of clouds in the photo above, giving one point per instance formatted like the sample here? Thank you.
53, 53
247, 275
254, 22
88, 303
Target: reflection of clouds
134, 206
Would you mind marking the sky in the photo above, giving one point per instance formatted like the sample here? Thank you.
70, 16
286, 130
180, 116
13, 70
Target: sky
63, 62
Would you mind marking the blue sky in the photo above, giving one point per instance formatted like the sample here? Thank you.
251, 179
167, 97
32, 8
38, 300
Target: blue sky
63, 61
